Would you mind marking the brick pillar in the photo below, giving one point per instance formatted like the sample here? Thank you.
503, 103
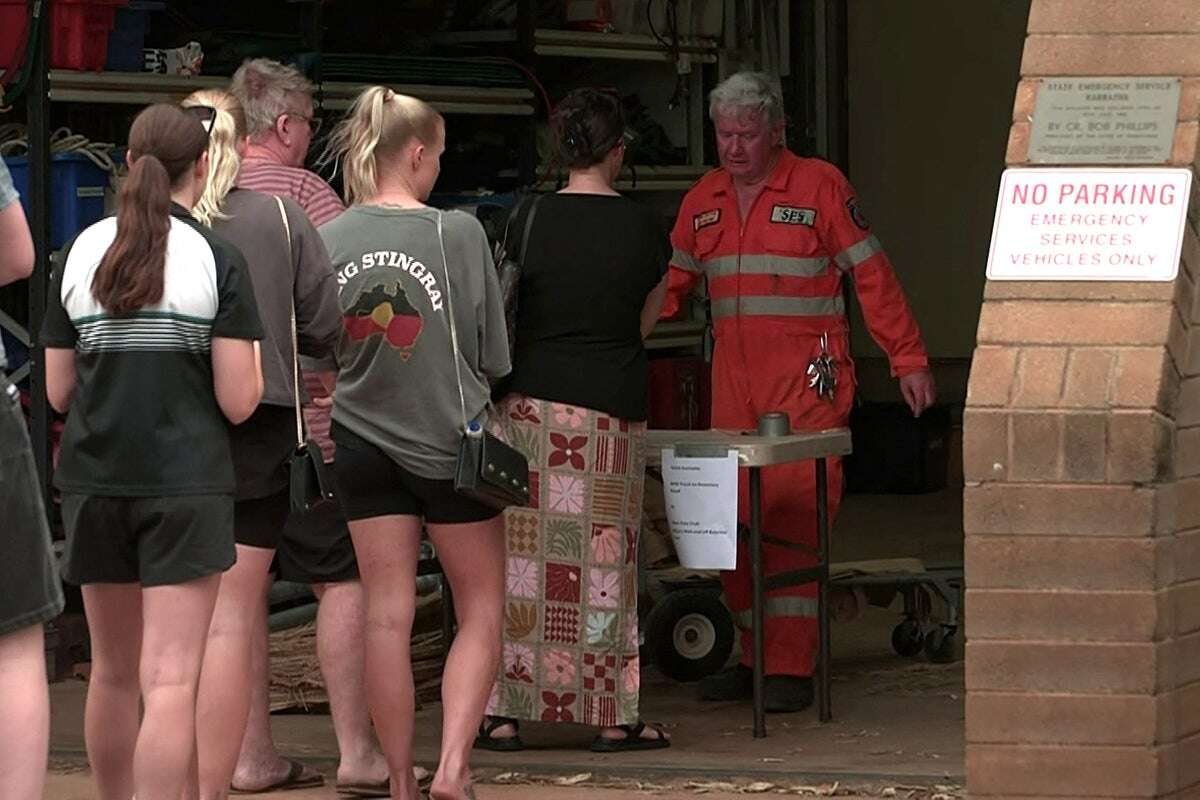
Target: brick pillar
1082, 461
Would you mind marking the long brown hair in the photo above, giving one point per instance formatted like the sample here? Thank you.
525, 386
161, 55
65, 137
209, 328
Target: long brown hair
164, 143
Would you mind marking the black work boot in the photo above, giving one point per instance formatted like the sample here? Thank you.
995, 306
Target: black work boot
785, 694
735, 683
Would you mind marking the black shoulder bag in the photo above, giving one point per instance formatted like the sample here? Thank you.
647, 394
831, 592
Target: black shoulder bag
508, 270
310, 484
488, 471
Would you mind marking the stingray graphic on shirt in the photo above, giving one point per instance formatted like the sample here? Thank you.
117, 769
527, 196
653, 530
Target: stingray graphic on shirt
384, 310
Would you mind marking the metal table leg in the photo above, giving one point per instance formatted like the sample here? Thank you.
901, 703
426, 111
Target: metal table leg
756, 569
823, 693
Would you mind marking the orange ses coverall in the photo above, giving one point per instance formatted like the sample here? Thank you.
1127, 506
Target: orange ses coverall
775, 283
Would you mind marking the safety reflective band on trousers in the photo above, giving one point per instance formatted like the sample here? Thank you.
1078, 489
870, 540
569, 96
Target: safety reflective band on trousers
802, 607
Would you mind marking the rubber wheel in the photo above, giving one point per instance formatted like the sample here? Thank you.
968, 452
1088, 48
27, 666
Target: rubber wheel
689, 634
907, 638
939, 646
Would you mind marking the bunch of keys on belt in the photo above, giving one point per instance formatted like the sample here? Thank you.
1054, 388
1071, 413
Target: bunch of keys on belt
822, 371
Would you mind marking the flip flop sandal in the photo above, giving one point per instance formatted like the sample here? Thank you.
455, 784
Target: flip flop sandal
381, 788
295, 779
500, 744
633, 740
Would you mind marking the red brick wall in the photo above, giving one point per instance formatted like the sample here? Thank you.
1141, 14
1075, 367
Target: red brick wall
1082, 462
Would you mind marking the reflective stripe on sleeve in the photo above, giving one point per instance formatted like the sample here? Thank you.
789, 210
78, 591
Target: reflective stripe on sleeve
684, 260
856, 254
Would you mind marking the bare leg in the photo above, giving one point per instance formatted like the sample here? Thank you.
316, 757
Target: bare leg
175, 631
387, 549
24, 713
224, 699
259, 763
341, 651
110, 721
472, 556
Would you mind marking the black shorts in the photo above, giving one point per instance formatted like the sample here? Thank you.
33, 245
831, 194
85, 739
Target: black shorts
373, 485
260, 522
154, 541
312, 547
260, 447
30, 592
316, 547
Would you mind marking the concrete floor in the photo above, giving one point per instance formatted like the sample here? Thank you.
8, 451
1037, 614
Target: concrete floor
896, 721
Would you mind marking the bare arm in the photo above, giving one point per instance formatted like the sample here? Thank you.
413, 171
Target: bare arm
237, 377
16, 256
60, 377
654, 306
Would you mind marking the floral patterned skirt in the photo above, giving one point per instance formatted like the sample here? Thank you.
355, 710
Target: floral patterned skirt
571, 624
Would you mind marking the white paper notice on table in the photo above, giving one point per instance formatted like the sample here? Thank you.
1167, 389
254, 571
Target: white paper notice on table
701, 497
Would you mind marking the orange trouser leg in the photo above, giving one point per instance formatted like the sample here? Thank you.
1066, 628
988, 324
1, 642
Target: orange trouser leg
790, 617
788, 497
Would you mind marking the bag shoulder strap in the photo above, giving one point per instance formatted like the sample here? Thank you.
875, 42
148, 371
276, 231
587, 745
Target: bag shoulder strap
528, 226
456, 353
287, 230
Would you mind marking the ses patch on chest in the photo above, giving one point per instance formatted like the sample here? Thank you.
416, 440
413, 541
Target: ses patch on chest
791, 215
707, 218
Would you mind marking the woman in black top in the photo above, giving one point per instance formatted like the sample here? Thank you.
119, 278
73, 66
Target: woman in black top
592, 284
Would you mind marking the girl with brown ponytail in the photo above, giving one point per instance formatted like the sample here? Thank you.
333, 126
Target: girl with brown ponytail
151, 343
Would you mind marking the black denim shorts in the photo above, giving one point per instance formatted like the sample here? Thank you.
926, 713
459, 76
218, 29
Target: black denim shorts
31, 591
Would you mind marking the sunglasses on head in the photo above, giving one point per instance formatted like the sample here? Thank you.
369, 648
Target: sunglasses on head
206, 114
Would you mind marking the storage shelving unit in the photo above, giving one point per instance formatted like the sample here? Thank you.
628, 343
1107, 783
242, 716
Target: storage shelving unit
138, 88
544, 43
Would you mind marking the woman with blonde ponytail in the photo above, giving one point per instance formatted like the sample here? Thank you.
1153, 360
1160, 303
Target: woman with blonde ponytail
151, 336
290, 269
403, 269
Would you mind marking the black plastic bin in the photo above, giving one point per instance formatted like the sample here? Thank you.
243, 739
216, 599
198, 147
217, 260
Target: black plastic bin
895, 453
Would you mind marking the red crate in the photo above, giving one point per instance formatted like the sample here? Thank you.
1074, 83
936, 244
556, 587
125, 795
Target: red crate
78, 32
14, 32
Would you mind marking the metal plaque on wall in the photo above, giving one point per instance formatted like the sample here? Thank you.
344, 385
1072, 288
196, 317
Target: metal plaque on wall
1104, 120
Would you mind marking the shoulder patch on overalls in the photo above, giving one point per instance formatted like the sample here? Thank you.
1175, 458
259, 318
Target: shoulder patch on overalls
791, 215
856, 214
705, 219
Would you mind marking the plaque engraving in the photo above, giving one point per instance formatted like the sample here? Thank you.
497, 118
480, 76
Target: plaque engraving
1104, 120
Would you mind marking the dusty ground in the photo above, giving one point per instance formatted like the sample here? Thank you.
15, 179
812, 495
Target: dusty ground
897, 729
70, 782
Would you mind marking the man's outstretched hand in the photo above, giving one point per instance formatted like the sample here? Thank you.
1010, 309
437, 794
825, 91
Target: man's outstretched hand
918, 391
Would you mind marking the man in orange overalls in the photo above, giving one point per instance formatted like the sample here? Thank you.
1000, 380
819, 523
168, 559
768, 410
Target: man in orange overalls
773, 234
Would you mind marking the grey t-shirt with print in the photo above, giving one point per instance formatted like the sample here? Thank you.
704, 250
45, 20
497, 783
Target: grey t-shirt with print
8, 196
396, 384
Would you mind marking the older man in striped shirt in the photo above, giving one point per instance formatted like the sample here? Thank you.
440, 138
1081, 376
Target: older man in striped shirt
281, 125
